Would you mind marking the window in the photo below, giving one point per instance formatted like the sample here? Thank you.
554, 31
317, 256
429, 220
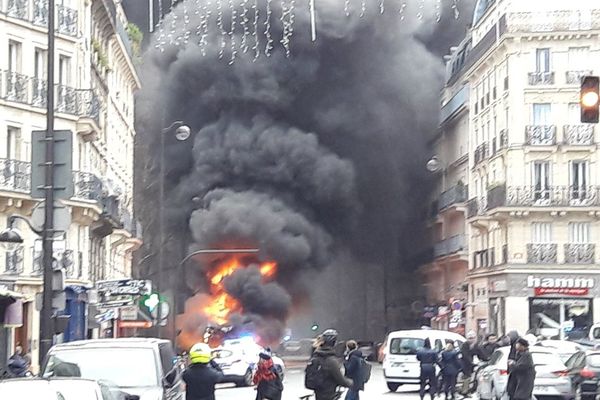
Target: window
542, 60
541, 114
541, 180
579, 232
13, 143
574, 113
541, 232
578, 179
64, 70
14, 56
578, 58
39, 63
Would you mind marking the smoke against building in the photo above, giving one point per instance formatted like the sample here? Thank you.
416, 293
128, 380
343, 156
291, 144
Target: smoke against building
316, 159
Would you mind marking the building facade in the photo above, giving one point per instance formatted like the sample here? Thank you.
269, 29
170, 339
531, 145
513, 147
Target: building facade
533, 214
95, 83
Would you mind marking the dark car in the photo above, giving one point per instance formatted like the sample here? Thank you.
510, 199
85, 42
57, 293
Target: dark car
584, 371
369, 350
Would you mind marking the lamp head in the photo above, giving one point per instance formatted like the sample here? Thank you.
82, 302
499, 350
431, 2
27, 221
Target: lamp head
182, 133
10, 239
434, 164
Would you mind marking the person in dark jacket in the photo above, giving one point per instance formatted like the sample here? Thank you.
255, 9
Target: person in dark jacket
353, 366
267, 379
428, 359
202, 375
18, 364
489, 346
450, 366
330, 367
522, 370
511, 340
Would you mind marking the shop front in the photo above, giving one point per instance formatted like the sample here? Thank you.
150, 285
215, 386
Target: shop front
549, 305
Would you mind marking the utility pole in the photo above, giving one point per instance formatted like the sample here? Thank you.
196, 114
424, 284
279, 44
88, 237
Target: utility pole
46, 321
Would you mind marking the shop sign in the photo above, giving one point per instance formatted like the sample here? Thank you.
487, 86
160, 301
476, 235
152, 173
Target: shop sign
128, 313
455, 319
540, 291
443, 310
566, 286
124, 287
135, 324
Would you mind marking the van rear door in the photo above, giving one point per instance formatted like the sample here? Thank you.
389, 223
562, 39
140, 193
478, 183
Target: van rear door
402, 355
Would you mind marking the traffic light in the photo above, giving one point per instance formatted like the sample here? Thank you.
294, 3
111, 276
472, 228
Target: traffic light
589, 99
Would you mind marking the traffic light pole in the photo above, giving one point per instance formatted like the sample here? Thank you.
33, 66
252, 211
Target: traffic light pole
46, 322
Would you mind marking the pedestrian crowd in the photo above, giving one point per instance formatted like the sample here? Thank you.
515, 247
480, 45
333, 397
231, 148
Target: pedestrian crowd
452, 362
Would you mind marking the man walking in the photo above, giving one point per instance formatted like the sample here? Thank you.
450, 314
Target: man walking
354, 370
323, 373
522, 370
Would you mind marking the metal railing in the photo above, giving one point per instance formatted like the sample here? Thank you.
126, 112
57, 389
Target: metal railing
579, 135
541, 78
15, 87
552, 21
39, 94
481, 153
456, 194
15, 176
574, 77
66, 99
541, 135
476, 206
580, 253
542, 253
87, 186
14, 261
450, 245
36, 12
536, 196
484, 258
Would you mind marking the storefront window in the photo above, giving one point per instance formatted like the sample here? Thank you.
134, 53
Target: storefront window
548, 315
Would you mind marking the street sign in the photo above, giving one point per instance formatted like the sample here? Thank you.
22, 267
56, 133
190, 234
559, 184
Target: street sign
135, 324
63, 166
124, 287
128, 313
62, 217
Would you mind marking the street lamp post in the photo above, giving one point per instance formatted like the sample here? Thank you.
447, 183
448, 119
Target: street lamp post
182, 133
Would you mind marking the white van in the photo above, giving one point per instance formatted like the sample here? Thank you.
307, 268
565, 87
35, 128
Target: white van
400, 365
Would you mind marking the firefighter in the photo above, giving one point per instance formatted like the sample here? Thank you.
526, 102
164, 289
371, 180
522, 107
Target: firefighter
202, 375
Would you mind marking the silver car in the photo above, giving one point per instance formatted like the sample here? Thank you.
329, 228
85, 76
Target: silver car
551, 379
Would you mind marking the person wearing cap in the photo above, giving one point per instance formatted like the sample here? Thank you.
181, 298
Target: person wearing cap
202, 374
269, 385
522, 372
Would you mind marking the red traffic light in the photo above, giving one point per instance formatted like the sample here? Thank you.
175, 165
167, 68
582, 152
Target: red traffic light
589, 99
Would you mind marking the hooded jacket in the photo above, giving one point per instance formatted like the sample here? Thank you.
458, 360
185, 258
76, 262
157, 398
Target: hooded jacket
200, 381
354, 369
331, 367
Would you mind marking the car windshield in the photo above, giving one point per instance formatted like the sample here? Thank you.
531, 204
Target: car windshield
545, 359
406, 346
123, 367
594, 360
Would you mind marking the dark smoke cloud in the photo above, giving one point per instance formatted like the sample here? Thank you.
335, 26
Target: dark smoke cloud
304, 157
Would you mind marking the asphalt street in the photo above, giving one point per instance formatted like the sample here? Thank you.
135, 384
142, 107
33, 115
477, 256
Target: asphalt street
376, 388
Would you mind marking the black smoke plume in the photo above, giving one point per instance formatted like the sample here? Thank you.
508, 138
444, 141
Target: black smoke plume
317, 159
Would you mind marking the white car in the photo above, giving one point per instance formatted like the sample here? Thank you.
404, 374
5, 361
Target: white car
61, 389
563, 348
551, 379
238, 359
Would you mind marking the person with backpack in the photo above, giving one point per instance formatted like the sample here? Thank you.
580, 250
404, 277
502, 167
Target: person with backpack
428, 358
323, 373
354, 365
269, 385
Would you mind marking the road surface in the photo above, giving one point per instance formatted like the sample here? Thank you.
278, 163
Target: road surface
294, 388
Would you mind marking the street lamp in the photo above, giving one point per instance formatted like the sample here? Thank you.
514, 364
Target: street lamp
181, 132
435, 165
11, 238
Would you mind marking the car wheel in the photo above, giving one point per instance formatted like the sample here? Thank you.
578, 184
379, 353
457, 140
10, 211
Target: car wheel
393, 386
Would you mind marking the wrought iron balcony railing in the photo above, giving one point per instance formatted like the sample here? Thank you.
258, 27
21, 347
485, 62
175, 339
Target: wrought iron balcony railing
579, 135
574, 196
15, 176
476, 206
484, 258
15, 87
88, 104
574, 77
39, 93
67, 20
66, 99
580, 253
14, 261
17, 9
454, 195
481, 153
542, 253
450, 245
36, 12
503, 139
87, 186
541, 135
553, 21
541, 78
40, 12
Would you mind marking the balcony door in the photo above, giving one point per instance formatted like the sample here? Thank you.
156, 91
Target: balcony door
578, 181
541, 232
541, 182
542, 60
542, 114
579, 232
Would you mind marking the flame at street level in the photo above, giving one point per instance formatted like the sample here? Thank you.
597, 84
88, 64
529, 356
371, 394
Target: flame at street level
222, 305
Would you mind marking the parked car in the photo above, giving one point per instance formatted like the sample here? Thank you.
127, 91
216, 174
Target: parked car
564, 348
584, 371
400, 365
551, 379
368, 350
61, 389
238, 359
140, 366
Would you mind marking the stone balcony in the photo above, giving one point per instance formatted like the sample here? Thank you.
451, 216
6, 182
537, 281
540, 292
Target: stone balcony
579, 135
450, 246
452, 196
540, 135
542, 253
541, 78
574, 77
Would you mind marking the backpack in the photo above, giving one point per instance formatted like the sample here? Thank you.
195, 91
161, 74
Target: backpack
314, 378
366, 370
